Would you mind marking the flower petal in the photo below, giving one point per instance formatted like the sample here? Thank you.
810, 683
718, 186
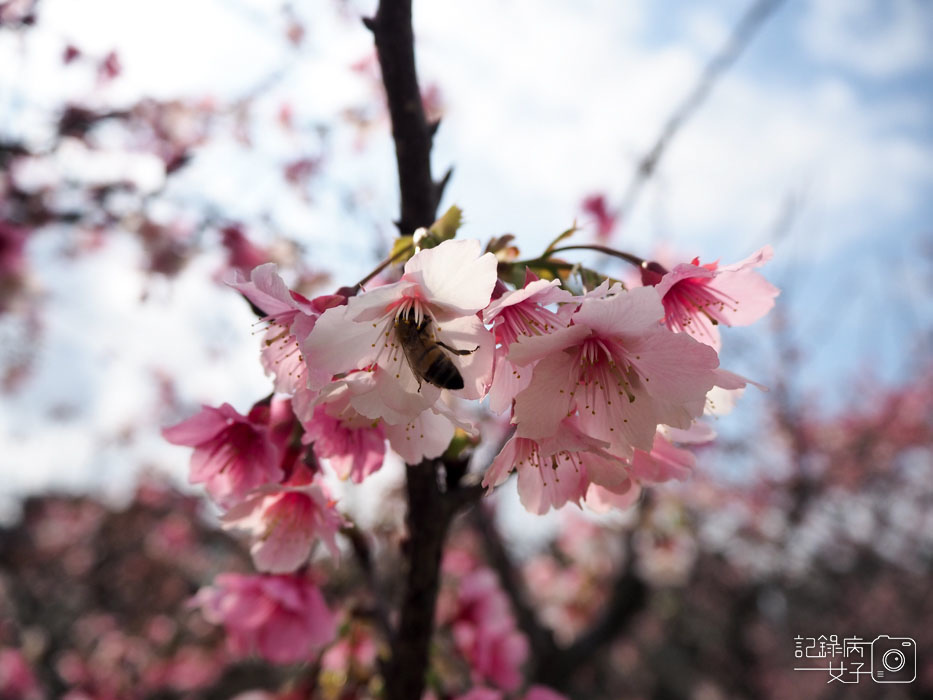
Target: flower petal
455, 276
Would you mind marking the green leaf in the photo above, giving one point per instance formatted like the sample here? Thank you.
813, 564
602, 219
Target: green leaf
402, 249
446, 227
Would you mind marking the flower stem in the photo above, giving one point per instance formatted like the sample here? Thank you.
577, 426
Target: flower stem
627, 257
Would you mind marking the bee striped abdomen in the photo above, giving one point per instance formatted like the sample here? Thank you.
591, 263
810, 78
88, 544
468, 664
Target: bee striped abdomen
440, 371
425, 355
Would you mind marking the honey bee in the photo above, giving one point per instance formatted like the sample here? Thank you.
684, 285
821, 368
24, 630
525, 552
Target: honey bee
424, 354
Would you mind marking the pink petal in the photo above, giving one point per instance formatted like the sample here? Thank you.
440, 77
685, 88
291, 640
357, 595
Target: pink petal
286, 641
266, 290
756, 259
541, 488
200, 428
603, 500
682, 272
541, 407
502, 465
507, 382
528, 349
540, 292
677, 367
635, 311
753, 295
394, 399
379, 303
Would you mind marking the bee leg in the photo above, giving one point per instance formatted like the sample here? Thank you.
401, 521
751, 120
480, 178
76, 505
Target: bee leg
455, 351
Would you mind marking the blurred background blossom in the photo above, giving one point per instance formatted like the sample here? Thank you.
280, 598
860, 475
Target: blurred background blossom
148, 151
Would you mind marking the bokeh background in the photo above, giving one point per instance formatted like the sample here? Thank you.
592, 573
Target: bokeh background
149, 150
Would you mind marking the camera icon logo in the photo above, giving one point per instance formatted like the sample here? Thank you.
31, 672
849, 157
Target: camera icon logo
893, 659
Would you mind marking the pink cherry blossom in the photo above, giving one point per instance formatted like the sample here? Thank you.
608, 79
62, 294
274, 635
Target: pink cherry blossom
282, 618
242, 253
697, 298
425, 436
285, 522
521, 312
352, 444
599, 499
662, 462
233, 454
448, 284
616, 367
356, 649
290, 316
17, 679
484, 630
595, 205
557, 470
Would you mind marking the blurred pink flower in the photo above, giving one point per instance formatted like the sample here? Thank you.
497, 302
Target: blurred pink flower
484, 630
282, 618
285, 522
242, 253
357, 648
595, 205
16, 677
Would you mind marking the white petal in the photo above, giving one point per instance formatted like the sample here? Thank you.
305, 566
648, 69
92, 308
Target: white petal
455, 276
337, 345
425, 437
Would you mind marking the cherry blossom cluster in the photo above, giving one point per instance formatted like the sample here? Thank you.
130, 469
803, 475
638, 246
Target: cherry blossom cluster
603, 390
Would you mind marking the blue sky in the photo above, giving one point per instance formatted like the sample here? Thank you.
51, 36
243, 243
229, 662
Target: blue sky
831, 108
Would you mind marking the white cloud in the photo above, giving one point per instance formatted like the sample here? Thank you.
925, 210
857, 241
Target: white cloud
877, 38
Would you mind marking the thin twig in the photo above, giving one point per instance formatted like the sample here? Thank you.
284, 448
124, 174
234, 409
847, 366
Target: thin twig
605, 250
539, 636
363, 553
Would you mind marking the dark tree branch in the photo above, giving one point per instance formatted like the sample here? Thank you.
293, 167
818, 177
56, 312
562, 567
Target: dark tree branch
743, 33
430, 512
392, 30
554, 665
430, 508
628, 597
